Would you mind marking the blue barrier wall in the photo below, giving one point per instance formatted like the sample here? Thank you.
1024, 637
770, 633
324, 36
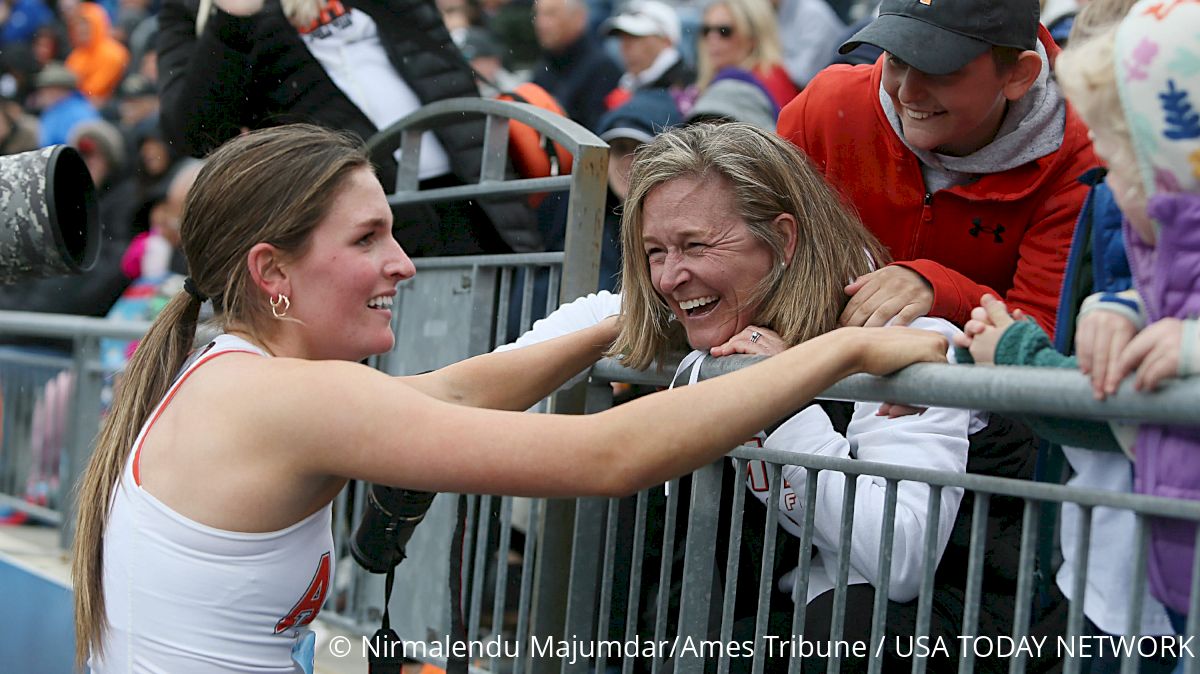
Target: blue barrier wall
37, 634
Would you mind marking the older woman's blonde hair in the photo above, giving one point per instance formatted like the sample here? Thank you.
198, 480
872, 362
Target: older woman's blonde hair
755, 18
767, 176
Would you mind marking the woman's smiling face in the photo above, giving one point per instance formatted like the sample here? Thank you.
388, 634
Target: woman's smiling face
343, 284
704, 261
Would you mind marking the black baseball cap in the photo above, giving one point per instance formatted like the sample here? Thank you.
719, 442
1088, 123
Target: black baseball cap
941, 36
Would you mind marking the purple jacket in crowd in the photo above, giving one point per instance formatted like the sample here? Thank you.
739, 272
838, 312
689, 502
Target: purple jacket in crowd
1168, 457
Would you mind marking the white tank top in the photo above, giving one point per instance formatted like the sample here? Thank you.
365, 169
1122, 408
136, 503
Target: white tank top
184, 597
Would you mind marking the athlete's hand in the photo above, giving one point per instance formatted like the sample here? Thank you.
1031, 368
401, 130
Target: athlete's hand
610, 328
884, 350
1099, 340
884, 294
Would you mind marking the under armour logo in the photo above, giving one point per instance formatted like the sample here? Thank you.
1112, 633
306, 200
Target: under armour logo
978, 227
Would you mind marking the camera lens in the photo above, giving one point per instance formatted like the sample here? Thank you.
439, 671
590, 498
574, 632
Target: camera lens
389, 518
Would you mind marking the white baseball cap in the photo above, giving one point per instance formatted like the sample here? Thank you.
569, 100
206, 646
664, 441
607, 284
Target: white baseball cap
642, 18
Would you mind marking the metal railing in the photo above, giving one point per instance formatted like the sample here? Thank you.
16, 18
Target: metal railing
1017, 390
52, 408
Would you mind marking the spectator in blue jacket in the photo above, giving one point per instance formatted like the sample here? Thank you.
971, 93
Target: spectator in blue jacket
62, 106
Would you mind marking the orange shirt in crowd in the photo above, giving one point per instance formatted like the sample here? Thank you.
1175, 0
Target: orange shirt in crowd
98, 59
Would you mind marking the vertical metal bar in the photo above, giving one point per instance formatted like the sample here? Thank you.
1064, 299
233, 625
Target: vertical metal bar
362, 583
341, 534
662, 603
585, 570
501, 592
887, 536
506, 279
495, 149
85, 421
19, 393
479, 572
1079, 586
9, 399
606, 580
1193, 619
845, 542
635, 575
585, 222
1024, 582
468, 541
732, 561
979, 521
409, 164
925, 600
527, 296
525, 601
768, 565
552, 289
698, 561
483, 318
804, 567
1137, 589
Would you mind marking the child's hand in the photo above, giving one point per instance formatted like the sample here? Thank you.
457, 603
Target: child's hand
982, 333
1099, 340
1154, 352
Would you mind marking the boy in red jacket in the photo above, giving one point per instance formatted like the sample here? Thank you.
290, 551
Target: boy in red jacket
958, 151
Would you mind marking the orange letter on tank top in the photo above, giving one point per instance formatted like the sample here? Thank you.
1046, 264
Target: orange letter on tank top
310, 604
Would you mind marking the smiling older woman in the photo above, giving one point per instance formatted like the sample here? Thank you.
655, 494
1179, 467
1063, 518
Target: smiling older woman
734, 244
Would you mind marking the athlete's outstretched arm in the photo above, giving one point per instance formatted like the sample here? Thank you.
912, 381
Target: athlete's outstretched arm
367, 425
516, 379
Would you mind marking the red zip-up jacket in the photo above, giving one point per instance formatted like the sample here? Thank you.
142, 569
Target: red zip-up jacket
1007, 233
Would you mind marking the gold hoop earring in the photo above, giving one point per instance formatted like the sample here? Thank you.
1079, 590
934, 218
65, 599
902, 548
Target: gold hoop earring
276, 302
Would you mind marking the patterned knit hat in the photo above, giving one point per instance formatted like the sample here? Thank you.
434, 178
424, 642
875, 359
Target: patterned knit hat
1157, 54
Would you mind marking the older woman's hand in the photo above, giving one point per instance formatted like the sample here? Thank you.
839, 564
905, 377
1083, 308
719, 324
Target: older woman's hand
752, 341
884, 294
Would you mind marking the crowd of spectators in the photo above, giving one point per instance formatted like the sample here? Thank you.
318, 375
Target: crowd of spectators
84, 74
87, 74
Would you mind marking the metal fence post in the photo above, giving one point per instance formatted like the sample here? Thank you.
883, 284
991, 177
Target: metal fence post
84, 423
695, 602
